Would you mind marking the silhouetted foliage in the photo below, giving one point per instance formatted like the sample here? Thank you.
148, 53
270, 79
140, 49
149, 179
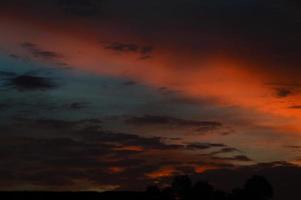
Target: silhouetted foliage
202, 189
181, 186
259, 188
153, 192
255, 188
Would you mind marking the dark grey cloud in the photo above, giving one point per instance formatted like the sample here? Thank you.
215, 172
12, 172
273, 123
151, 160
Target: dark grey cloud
284, 89
129, 83
204, 145
31, 83
56, 162
84, 8
52, 153
37, 52
283, 92
3, 106
122, 47
77, 105
295, 107
26, 82
237, 158
226, 150
61, 124
295, 147
241, 158
148, 120
144, 52
7, 74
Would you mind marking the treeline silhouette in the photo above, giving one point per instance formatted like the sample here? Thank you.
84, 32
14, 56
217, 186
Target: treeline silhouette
255, 188
181, 188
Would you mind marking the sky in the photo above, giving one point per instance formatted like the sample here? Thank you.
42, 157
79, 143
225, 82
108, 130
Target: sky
111, 95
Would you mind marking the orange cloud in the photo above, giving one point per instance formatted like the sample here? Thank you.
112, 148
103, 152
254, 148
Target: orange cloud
163, 172
130, 148
201, 169
116, 170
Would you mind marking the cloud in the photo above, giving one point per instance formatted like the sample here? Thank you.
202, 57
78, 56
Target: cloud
63, 124
59, 154
129, 83
171, 122
226, 150
240, 158
204, 145
83, 8
295, 107
31, 83
4, 106
7, 74
143, 51
293, 147
77, 105
40, 53
283, 92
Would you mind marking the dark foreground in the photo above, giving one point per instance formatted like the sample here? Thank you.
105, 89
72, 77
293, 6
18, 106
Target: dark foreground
71, 195
181, 188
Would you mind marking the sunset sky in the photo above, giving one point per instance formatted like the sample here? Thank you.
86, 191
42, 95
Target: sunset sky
118, 94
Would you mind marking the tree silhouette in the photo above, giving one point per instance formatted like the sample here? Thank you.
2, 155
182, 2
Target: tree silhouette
255, 188
153, 192
181, 186
202, 190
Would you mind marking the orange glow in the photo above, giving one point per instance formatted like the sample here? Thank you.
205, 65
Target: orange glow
116, 170
163, 172
130, 148
201, 169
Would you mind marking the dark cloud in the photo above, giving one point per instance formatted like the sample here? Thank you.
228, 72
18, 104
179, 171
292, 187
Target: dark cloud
240, 158
204, 145
295, 107
121, 47
129, 83
7, 74
31, 83
14, 56
62, 124
53, 153
143, 51
296, 147
83, 8
226, 150
55, 163
237, 158
40, 53
173, 122
38, 103
284, 89
4, 106
77, 105
283, 92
